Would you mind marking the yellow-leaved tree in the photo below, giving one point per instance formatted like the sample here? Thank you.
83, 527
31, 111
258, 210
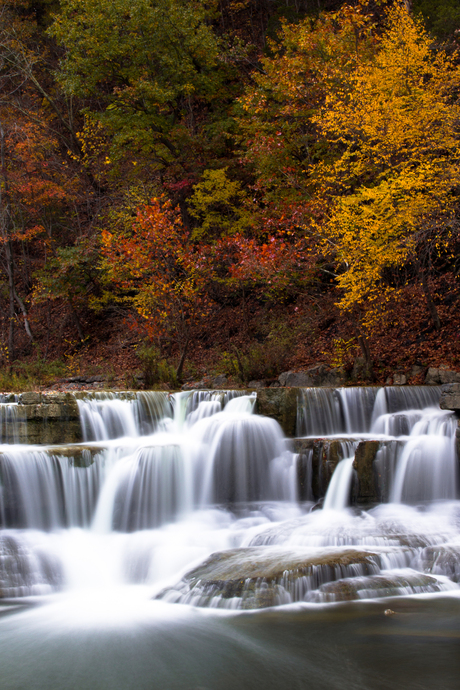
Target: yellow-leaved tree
391, 185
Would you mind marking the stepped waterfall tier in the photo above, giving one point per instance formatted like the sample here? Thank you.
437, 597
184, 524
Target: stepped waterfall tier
185, 542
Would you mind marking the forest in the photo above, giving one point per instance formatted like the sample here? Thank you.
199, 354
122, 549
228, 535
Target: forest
191, 188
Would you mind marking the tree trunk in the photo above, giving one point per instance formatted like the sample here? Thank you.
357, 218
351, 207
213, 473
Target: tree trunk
24, 314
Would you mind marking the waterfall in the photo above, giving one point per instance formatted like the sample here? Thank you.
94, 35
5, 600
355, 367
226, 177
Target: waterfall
338, 493
109, 415
9, 419
331, 411
190, 498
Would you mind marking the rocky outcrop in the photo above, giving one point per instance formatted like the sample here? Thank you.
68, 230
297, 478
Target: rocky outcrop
47, 418
281, 405
438, 376
319, 457
257, 577
319, 375
316, 462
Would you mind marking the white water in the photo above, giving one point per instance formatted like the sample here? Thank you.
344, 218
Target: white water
98, 530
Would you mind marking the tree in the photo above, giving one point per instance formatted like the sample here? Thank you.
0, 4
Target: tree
158, 272
144, 64
392, 184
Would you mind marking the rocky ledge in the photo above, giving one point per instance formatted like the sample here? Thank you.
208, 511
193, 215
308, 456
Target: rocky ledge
257, 577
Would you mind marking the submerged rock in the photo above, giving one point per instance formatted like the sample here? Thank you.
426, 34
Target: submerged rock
387, 585
250, 578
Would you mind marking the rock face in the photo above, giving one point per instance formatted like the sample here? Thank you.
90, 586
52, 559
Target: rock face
450, 397
319, 457
441, 375
257, 577
47, 418
320, 375
316, 463
281, 405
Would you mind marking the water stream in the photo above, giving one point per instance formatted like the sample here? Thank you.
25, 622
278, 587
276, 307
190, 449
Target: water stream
171, 549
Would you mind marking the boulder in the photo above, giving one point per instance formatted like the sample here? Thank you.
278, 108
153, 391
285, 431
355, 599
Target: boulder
376, 586
319, 375
257, 577
219, 381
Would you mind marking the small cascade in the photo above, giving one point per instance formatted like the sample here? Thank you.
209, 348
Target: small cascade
338, 493
27, 568
9, 418
107, 416
319, 412
153, 487
393, 399
237, 463
43, 489
329, 411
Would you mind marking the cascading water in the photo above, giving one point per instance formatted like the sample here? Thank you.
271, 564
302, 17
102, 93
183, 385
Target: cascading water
193, 499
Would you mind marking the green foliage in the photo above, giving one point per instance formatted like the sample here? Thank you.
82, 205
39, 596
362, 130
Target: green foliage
147, 63
442, 17
155, 368
26, 376
70, 274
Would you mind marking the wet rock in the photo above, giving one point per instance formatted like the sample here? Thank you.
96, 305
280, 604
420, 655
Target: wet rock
387, 585
367, 490
316, 463
260, 577
279, 404
79, 456
437, 376
442, 560
450, 397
